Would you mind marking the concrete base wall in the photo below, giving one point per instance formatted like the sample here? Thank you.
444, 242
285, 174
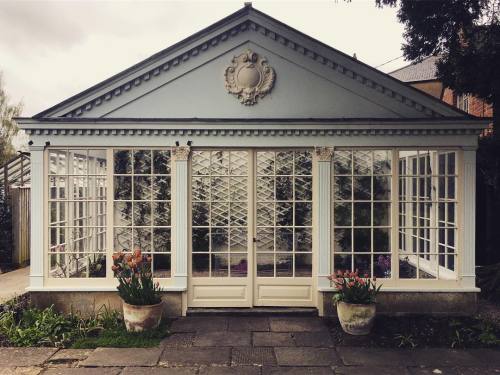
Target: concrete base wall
405, 303
87, 303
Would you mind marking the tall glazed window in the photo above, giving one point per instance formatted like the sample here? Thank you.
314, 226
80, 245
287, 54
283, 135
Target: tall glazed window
362, 211
427, 211
77, 213
142, 205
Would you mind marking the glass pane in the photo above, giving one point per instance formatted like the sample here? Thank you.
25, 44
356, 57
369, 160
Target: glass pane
303, 265
382, 266
342, 214
142, 239
219, 188
362, 162
123, 187
284, 214
238, 212
200, 188
381, 188
362, 263
265, 188
407, 267
265, 239
219, 163
342, 240
142, 162
200, 239
265, 163
284, 188
362, 214
284, 163
362, 188
284, 265
219, 265
122, 162
200, 213
142, 213
161, 162
238, 239
303, 214
381, 240
201, 162
161, 188
239, 265
123, 239
303, 239
219, 239
265, 214
265, 265
303, 188
342, 188
200, 265
161, 240
342, 162
161, 265
284, 239
238, 187
97, 265
381, 214
161, 213
123, 214
142, 188
239, 162
362, 240
382, 162
303, 163
219, 212
342, 263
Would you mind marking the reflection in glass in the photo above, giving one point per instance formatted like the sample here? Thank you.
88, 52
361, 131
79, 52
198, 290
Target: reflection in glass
265, 265
284, 265
219, 265
239, 265
200, 265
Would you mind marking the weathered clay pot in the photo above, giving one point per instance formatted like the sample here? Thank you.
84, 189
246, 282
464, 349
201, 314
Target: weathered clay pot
356, 319
141, 318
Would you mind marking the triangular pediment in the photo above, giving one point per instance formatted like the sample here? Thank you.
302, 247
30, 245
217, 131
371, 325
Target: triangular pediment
312, 80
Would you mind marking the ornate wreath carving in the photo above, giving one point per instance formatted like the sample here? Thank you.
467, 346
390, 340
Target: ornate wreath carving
249, 77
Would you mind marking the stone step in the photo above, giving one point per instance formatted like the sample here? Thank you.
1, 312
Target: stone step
253, 311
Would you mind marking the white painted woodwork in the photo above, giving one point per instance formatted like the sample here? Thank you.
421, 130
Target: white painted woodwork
468, 261
180, 219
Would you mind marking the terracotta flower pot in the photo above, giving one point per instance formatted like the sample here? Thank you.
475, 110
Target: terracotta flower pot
356, 319
142, 318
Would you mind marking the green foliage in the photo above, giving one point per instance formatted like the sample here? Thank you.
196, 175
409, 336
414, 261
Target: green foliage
136, 285
405, 341
466, 36
104, 328
119, 337
488, 279
9, 127
353, 289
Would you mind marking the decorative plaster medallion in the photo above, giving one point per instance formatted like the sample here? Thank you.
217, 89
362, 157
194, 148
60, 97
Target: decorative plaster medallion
249, 77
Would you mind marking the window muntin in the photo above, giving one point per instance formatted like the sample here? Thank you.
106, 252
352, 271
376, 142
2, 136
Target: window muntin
77, 213
362, 211
142, 205
220, 213
284, 213
427, 211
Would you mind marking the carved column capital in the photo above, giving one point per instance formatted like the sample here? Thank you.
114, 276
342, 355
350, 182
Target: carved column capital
181, 152
324, 153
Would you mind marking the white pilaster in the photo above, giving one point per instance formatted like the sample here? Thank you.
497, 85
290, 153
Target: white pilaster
37, 244
180, 158
468, 255
323, 218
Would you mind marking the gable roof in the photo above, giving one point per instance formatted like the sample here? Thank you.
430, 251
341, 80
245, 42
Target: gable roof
248, 20
425, 70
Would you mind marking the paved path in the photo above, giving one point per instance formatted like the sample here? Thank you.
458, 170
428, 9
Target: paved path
13, 283
249, 346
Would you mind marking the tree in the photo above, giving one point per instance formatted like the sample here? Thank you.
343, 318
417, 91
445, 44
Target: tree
466, 36
9, 127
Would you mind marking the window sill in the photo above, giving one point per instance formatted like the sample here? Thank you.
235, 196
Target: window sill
93, 289
416, 289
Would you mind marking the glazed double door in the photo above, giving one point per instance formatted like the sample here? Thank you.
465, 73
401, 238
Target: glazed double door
251, 228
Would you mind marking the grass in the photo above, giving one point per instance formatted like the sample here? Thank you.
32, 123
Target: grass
120, 338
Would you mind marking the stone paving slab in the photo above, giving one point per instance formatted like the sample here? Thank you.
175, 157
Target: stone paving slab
297, 325
32, 370
436, 357
199, 324
22, 357
248, 323
113, 357
376, 357
371, 370
478, 371
69, 355
83, 371
223, 338
306, 356
297, 371
178, 340
159, 371
237, 370
316, 339
491, 357
195, 356
253, 356
273, 339
432, 371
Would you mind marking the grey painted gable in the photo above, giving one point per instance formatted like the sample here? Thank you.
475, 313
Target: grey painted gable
313, 81
297, 93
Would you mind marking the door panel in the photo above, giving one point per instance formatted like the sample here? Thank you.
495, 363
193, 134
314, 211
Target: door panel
220, 235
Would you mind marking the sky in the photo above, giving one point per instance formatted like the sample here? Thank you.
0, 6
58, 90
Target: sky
51, 50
